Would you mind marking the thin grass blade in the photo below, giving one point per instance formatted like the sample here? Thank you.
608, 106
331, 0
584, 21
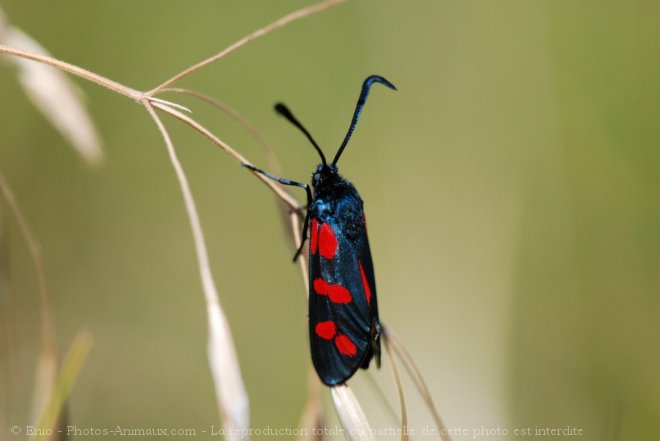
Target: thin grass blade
66, 378
399, 386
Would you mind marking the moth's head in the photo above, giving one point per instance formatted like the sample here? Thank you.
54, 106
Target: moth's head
324, 174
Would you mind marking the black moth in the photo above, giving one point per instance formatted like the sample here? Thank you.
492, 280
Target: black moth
344, 329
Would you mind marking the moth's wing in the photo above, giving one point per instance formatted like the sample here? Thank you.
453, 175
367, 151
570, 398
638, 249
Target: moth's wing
336, 359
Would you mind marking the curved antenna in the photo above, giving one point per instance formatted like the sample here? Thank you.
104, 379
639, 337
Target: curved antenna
285, 112
366, 86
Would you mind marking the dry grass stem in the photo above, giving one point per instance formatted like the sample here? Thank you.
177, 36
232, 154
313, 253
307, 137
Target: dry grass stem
418, 379
351, 417
296, 15
230, 392
75, 70
46, 371
68, 373
399, 386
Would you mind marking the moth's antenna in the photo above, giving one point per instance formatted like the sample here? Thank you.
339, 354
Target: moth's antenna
366, 86
285, 112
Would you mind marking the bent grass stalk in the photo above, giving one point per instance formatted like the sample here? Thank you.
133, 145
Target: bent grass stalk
233, 399
296, 15
46, 372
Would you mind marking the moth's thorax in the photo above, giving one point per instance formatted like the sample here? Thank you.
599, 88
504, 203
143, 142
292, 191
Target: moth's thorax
337, 202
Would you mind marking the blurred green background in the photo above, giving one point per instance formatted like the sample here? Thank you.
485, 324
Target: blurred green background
511, 187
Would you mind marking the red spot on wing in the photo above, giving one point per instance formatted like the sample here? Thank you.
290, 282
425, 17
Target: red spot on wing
345, 345
326, 330
313, 241
321, 287
365, 284
327, 242
339, 294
